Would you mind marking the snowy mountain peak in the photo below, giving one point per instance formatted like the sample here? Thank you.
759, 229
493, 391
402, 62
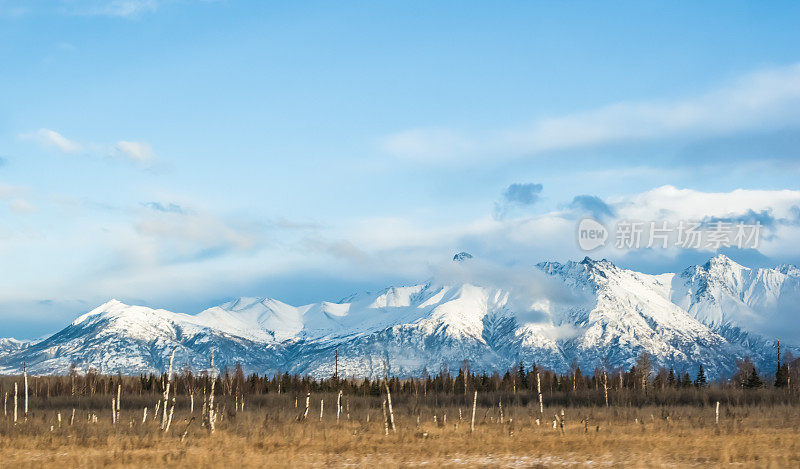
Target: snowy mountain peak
722, 262
462, 256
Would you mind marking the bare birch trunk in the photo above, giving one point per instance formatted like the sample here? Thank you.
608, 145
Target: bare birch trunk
474, 406
500, 408
539, 390
169, 420
385, 420
186, 430
391, 412
338, 405
211, 416
166, 391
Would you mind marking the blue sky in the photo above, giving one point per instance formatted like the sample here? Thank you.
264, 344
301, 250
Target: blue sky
179, 153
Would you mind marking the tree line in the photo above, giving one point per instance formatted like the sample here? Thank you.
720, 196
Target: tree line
641, 378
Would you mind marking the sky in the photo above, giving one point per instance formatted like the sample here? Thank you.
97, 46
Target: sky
180, 153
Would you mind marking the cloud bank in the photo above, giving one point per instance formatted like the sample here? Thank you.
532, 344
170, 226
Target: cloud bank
765, 100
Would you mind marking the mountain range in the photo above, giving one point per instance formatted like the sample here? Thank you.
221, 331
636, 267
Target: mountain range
590, 313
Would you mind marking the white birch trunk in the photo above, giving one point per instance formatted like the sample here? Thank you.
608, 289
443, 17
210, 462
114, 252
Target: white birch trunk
169, 420
385, 420
25, 373
474, 406
391, 412
338, 406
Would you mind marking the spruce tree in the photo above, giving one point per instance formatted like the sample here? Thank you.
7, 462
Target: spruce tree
523, 377
671, 378
753, 381
700, 381
782, 376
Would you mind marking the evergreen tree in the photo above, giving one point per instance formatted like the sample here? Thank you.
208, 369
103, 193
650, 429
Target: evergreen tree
700, 381
687, 380
782, 376
782, 373
753, 381
671, 378
523, 377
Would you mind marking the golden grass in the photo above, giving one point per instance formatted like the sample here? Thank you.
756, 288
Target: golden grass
268, 433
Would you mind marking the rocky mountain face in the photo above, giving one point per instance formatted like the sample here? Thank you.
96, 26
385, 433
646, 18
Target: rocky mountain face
589, 313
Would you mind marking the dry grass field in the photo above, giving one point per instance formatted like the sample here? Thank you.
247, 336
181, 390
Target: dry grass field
271, 431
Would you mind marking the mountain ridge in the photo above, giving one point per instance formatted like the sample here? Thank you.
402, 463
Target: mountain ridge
608, 316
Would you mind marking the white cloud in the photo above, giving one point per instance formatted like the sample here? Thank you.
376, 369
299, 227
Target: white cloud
14, 195
204, 230
140, 152
429, 143
137, 151
21, 206
127, 8
404, 245
51, 138
7, 191
763, 100
668, 202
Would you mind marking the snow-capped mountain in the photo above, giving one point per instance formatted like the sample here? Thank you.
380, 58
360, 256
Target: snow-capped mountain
722, 292
9, 345
592, 313
132, 339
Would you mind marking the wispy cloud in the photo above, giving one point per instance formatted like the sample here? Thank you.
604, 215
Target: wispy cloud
140, 152
51, 138
767, 99
166, 208
129, 9
15, 199
205, 230
119, 8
